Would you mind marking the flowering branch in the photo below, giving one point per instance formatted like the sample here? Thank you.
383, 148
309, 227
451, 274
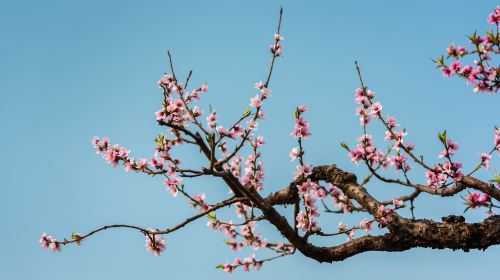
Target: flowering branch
233, 154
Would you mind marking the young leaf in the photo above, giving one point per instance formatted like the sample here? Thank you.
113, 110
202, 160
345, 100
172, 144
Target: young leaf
247, 112
212, 216
344, 145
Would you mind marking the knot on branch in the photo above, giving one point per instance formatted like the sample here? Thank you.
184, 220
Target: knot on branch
452, 219
332, 174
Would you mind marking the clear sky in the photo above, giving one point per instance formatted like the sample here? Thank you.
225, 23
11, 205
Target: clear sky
70, 70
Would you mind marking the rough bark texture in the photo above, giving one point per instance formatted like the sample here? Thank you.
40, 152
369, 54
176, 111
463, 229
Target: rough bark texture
404, 234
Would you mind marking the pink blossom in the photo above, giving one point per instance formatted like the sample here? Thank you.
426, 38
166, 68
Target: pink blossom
376, 108
342, 226
54, 245
252, 125
228, 267
397, 203
356, 155
452, 146
359, 97
172, 185
455, 67
302, 109
266, 93
303, 221
204, 88
222, 132
301, 129
494, 18
241, 209
259, 85
293, 154
278, 37
485, 160
259, 142
45, 241
155, 244
275, 49
446, 72
303, 170
260, 114
156, 163
237, 131
199, 200
212, 120
100, 145
366, 225
350, 234
475, 200
49, 242
165, 80
256, 101
436, 177
197, 111
391, 122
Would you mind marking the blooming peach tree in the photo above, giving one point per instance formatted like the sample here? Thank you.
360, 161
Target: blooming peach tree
233, 154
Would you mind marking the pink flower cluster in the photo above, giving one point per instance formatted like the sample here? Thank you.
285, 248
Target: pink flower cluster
366, 150
475, 200
440, 174
494, 18
49, 242
247, 264
450, 149
212, 120
254, 170
385, 218
485, 78
115, 154
276, 47
235, 132
301, 128
368, 109
175, 109
246, 233
310, 192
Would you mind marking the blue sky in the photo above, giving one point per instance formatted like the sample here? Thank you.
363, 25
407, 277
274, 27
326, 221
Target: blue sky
74, 69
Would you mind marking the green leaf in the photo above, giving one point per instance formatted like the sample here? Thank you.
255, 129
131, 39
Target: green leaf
159, 140
209, 138
212, 216
220, 266
296, 114
344, 145
439, 61
442, 137
496, 179
247, 112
